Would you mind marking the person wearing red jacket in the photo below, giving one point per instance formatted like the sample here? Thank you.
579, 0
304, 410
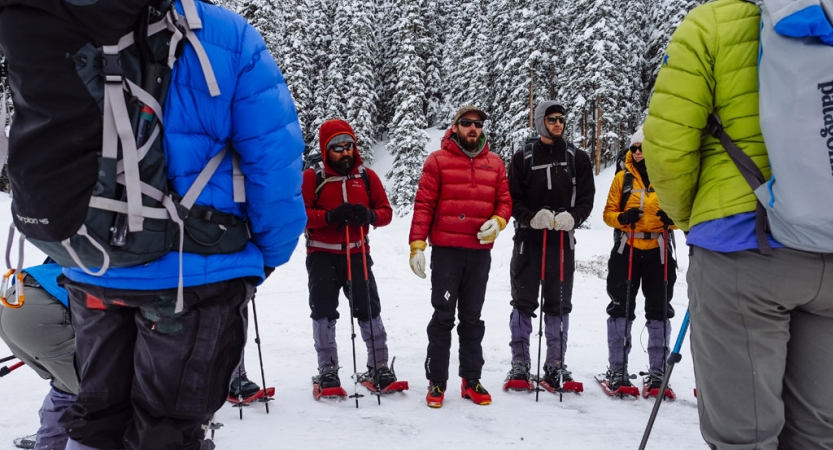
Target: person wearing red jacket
343, 198
461, 205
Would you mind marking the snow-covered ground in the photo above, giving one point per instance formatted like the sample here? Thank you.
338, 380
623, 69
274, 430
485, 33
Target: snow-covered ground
588, 421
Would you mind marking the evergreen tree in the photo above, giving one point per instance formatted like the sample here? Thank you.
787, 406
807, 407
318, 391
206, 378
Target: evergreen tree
295, 62
358, 69
465, 65
664, 17
407, 139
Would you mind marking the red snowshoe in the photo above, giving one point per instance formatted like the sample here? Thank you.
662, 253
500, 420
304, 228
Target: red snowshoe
622, 388
263, 395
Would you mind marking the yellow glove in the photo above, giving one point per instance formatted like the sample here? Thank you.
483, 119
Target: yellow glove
490, 229
417, 260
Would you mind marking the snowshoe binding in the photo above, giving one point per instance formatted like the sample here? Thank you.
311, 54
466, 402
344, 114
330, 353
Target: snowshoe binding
327, 385
519, 378
617, 384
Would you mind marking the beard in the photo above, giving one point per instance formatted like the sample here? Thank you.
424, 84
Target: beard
469, 142
344, 165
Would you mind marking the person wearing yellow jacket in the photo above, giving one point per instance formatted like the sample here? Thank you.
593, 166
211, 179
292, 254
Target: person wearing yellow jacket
633, 210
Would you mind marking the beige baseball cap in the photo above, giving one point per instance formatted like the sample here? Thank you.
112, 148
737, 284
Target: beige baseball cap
467, 109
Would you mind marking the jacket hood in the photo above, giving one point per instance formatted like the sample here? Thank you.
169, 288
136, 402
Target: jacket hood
331, 129
540, 113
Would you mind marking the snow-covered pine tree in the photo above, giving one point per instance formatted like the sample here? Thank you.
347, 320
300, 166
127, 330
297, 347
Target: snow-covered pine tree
429, 47
320, 20
407, 139
600, 59
664, 17
513, 59
636, 20
263, 15
293, 56
358, 68
465, 65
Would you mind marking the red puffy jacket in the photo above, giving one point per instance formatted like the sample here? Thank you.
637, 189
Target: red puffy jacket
457, 194
332, 194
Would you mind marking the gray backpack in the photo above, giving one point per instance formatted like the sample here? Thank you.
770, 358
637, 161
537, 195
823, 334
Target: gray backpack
796, 116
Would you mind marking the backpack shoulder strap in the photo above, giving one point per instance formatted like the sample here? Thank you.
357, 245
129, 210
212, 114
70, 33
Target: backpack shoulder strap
627, 190
570, 151
366, 178
528, 147
750, 171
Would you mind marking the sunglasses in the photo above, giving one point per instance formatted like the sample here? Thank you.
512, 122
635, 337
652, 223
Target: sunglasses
468, 122
552, 119
341, 148
636, 148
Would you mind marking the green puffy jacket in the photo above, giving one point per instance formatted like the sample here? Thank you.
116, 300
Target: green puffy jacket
711, 65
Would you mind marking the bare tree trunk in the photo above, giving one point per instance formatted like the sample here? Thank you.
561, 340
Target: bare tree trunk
584, 130
531, 98
598, 134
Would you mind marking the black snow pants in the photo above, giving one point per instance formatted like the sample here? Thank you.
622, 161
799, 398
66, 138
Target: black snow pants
647, 271
458, 285
151, 378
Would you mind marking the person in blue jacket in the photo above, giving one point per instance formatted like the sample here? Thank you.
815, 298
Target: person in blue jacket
152, 372
39, 333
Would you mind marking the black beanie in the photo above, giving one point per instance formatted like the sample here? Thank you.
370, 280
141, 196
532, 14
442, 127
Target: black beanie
555, 109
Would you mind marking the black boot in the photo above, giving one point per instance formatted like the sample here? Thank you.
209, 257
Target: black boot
242, 387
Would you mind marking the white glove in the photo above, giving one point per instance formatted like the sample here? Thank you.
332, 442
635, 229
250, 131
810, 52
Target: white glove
543, 219
488, 231
563, 221
417, 263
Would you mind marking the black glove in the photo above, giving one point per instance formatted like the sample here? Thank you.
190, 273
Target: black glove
341, 214
664, 218
630, 217
268, 270
362, 215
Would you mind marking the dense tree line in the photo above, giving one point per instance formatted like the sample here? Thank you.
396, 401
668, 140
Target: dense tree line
395, 67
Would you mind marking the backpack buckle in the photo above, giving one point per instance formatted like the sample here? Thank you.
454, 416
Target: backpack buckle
714, 126
111, 65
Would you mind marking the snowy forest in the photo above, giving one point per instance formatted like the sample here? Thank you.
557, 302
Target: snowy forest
393, 68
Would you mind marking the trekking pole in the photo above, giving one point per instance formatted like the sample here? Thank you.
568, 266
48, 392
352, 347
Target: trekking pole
541, 314
239, 387
8, 358
263, 399
356, 394
561, 318
378, 392
5, 370
673, 359
665, 293
627, 305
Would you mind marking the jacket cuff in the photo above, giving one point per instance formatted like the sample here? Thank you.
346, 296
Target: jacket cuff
500, 221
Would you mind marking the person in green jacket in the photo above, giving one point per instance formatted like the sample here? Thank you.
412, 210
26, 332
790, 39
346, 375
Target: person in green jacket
761, 326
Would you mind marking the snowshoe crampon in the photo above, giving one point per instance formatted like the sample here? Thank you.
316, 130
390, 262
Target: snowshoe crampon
263, 395
621, 392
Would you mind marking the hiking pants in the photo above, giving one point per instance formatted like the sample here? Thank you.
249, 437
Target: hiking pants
328, 275
525, 276
40, 334
647, 271
458, 286
762, 344
151, 378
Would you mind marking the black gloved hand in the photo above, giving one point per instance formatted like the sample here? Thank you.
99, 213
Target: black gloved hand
268, 270
666, 221
630, 217
362, 215
341, 214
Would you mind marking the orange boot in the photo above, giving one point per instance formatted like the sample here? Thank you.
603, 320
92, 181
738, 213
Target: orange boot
472, 389
436, 393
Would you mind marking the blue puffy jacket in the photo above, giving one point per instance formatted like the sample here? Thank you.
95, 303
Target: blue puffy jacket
256, 114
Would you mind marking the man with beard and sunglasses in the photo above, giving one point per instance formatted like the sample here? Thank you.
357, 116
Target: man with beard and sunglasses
552, 192
346, 198
461, 205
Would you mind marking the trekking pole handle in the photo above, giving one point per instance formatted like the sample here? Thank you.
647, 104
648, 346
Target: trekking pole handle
7, 369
